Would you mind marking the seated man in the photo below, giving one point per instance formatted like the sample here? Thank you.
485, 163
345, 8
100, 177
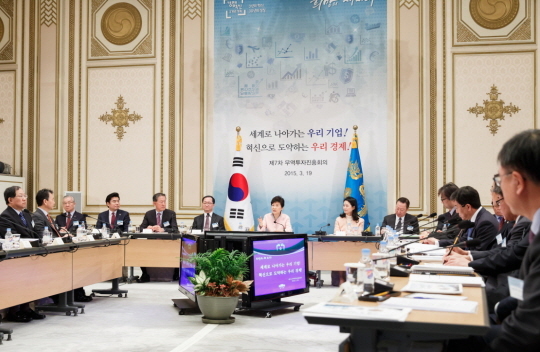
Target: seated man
114, 218
401, 221
447, 222
15, 216
70, 219
209, 221
469, 208
46, 203
160, 219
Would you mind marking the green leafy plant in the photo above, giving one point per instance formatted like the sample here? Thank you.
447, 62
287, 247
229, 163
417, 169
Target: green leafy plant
220, 273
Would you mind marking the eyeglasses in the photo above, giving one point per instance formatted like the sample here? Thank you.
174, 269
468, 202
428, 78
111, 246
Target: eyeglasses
498, 203
21, 196
206, 203
497, 178
443, 199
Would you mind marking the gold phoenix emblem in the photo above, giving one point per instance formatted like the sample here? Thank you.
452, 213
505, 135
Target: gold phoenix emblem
493, 110
354, 170
120, 117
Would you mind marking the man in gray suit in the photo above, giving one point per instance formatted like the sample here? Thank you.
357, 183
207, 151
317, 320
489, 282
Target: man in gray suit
45, 202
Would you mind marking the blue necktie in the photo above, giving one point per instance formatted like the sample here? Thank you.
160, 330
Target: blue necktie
23, 219
469, 232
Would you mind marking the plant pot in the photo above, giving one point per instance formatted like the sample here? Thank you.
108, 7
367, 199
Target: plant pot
217, 310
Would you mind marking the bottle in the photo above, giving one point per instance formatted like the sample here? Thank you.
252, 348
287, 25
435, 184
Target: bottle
377, 230
240, 227
130, 228
369, 278
8, 244
80, 230
104, 231
383, 265
382, 247
46, 235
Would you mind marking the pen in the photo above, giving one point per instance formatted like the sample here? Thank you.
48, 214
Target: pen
382, 293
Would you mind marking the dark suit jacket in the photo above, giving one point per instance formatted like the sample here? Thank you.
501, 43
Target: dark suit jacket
408, 220
103, 218
447, 217
169, 217
40, 221
198, 222
61, 220
10, 219
514, 235
521, 330
485, 229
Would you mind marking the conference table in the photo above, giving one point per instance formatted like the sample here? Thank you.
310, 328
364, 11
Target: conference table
419, 325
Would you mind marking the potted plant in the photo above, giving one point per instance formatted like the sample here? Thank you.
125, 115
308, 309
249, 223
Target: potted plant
218, 283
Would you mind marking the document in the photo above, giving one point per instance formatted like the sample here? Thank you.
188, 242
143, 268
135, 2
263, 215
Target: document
429, 287
428, 258
435, 296
345, 311
438, 268
437, 305
466, 281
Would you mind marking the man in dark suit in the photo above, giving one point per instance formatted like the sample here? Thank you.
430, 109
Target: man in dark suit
209, 221
485, 225
70, 219
401, 220
46, 203
119, 219
19, 221
445, 193
160, 219
15, 216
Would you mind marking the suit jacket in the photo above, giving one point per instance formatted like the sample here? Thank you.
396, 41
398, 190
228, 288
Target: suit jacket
198, 222
10, 219
40, 221
521, 330
103, 218
168, 217
61, 220
505, 260
447, 217
485, 229
409, 220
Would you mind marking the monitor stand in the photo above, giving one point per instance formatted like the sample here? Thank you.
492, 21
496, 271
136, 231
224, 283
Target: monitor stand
185, 303
266, 306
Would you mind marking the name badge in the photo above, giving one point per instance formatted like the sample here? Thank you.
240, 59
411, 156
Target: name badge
120, 222
214, 225
499, 239
33, 225
166, 223
516, 287
410, 228
75, 223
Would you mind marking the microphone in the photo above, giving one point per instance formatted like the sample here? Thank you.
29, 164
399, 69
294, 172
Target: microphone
275, 222
440, 218
470, 243
321, 232
15, 225
428, 216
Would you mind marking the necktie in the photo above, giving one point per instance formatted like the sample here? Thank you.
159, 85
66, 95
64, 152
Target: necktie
501, 223
68, 221
531, 236
113, 220
158, 219
469, 232
23, 219
207, 222
52, 225
399, 224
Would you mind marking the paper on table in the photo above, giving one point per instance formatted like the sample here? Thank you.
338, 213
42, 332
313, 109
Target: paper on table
428, 258
438, 305
466, 281
435, 296
445, 268
357, 312
428, 287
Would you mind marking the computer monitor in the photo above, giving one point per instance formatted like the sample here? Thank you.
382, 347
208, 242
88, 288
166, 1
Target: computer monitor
188, 248
279, 266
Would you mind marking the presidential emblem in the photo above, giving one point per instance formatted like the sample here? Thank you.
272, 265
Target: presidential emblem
354, 170
493, 110
120, 118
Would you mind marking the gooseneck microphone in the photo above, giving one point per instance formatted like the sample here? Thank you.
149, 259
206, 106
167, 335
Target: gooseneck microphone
275, 222
321, 232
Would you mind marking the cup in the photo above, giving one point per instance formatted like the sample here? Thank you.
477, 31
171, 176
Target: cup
137, 229
382, 266
355, 276
16, 241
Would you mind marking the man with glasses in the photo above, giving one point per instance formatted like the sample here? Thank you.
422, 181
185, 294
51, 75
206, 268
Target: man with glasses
69, 220
209, 221
497, 210
469, 208
15, 216
445, 193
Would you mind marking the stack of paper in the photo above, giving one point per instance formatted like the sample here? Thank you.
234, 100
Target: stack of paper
428, 258
357, 312
429, 287
470, 281
437, 305
438, 268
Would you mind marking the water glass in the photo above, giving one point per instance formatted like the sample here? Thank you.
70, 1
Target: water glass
383, 267
16, 244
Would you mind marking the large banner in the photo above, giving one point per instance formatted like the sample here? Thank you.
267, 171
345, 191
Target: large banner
296, 76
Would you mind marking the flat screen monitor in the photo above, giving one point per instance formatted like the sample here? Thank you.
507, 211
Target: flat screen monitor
188, 248
279, 266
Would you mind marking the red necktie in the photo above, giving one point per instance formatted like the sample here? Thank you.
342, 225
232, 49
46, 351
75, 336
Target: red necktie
501, 223
113, 219
207, 222
158, 218
68, 221
52, 225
